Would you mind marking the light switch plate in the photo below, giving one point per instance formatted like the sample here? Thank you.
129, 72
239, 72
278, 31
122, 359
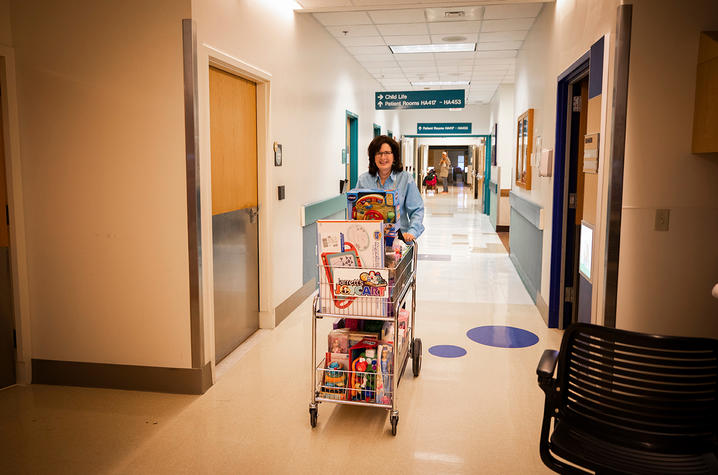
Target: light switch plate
663, 217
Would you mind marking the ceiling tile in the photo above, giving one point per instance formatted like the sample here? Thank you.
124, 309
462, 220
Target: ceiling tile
468, 38
518, 35
454, 27
369, 50
353, 30
491, 68
496, 54
380, 3
461, 65
526, 10
499, 45
343, 18
381, 17
373, 57
491, 61
412, 57
386, 63
507, 25
389, 76
418, 70
448, 56
488, 76
361, 41
455, 76
307, 4
407, 40
403, 29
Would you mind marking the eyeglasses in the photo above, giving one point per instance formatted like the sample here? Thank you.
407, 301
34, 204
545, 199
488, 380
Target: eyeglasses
378, 154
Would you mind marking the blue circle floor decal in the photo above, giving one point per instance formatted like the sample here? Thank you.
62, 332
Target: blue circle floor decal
447, 351
502, 336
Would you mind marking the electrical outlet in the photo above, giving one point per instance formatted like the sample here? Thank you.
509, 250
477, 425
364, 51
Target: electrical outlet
663, 217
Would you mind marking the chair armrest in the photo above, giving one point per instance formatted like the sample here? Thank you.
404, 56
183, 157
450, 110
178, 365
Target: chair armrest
546, 367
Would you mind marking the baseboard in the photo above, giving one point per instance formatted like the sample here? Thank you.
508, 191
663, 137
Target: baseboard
502, 228
293, 301
542, 307
117, 376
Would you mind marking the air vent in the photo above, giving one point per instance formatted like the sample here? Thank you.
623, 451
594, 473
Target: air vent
454, 14
453, 39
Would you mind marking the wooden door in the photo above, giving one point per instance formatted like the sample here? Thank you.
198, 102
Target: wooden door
233, 136
7, 321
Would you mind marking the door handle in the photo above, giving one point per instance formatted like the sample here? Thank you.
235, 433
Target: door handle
253, 212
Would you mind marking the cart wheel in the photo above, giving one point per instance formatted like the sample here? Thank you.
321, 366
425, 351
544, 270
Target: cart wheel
416, 356
394, 423
313, 416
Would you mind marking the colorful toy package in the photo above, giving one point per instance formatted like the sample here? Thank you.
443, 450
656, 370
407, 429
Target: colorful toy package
348, 246
376, 204
335, 376
384, 372
362, 379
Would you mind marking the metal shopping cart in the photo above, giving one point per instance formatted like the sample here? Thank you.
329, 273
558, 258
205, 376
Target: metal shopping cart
367, 294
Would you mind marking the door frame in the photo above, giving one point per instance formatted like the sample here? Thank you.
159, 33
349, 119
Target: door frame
210, 56
560, 189
16, 212
352, 148
376, 129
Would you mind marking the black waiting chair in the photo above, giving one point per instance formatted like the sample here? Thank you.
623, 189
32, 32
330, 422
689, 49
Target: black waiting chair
626, 402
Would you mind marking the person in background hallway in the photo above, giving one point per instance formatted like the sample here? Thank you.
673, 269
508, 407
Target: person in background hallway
386, 173
444, 165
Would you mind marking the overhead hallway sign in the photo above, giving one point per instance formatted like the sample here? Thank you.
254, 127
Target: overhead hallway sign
387, 100
444, 129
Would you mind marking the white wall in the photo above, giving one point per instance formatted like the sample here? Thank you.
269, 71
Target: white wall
103, 179
314, 82
562, 33
665, 278
503, 114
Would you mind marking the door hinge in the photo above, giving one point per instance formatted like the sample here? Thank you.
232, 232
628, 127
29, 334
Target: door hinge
572, 200
576, 104
568, 295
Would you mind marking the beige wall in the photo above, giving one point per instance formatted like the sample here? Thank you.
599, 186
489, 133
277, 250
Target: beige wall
562, 33
313, 82
665, 278
503, 114
103, 178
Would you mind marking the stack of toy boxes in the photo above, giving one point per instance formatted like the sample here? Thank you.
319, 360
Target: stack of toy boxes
352, 278
376, 204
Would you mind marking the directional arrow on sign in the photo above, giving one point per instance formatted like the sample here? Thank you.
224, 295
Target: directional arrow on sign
381, 97
380, 103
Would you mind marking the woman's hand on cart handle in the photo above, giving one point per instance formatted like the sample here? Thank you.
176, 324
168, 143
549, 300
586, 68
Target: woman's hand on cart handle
408, 237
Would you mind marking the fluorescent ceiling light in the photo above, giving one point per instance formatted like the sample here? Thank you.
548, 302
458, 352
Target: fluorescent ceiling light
440, 83
439, 48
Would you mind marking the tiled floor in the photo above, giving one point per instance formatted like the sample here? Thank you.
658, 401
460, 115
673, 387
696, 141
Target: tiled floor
479, 413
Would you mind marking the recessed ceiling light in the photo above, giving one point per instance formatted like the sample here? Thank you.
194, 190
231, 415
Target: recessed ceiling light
440, 48
440, 83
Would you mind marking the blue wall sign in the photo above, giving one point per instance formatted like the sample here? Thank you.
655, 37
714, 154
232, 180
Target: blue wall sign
441, 99
444, 128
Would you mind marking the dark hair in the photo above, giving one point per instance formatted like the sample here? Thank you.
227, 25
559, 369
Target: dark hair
374, 148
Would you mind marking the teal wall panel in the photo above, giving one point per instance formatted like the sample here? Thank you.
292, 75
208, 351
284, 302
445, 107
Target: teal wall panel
526, 243
309, 248
493, 204
322, 209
